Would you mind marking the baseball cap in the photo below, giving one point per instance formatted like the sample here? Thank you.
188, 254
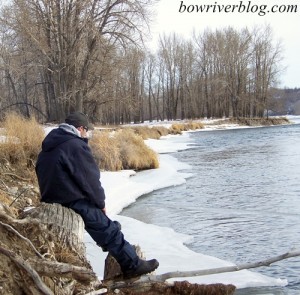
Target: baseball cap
78, 119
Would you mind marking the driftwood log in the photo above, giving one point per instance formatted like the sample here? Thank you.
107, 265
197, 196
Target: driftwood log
149, 285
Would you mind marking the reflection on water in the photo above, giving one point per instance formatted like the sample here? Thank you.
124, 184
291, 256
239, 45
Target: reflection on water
242, 203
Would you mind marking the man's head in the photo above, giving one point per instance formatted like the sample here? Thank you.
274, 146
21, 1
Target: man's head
79, 121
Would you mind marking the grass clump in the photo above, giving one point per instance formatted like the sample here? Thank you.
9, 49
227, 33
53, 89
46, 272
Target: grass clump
105, 150
177, 128
163, 131
134, 153
123, 149
22, 141
154, 132
260, 121
194, 125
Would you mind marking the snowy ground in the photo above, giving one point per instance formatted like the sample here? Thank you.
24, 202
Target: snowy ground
123, 188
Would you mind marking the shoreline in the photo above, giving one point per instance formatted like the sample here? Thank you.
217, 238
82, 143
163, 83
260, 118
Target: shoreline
157, 236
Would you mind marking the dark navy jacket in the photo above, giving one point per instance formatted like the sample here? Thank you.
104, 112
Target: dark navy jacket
66, 169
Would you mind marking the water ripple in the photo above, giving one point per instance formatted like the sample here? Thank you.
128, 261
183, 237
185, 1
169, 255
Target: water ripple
242, 202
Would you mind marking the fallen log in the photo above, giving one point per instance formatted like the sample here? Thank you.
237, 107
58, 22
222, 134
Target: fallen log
266, 262
147, 282
182, 288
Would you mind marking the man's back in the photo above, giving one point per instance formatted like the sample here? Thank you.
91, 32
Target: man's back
66, 169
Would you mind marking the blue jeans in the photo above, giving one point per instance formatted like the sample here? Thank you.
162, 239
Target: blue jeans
105, 233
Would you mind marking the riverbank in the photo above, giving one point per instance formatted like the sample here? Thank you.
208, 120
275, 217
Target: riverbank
163, 243
240, 203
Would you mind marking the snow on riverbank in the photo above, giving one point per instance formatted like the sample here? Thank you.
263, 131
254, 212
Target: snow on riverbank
124, 187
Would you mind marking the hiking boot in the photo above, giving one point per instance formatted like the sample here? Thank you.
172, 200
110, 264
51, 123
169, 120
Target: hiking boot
143, 267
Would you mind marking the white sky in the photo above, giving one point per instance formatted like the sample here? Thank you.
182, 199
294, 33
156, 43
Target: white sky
286, 26
124, 187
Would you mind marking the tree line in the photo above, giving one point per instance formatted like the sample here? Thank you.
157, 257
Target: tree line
58, 56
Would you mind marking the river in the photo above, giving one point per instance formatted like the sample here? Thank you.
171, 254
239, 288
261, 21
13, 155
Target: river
241, 203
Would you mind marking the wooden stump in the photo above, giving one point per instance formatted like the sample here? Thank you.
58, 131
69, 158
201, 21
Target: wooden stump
66, 225
112, 268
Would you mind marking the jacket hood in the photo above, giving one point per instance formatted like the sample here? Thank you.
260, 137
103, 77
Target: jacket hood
59, 135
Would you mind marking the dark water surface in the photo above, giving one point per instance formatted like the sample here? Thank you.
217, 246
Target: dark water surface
242, 202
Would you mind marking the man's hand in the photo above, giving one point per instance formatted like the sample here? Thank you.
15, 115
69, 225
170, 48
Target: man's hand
104, 210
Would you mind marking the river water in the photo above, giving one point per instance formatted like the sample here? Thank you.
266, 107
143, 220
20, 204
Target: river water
242, 202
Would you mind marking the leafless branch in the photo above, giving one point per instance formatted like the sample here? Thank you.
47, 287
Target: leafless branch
183, 274
266, 262
54, 269
10, 228
20, 262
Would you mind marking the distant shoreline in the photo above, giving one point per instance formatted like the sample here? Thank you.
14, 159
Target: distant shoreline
271, 121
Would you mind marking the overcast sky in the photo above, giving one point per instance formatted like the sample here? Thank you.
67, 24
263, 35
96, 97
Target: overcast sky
285, 25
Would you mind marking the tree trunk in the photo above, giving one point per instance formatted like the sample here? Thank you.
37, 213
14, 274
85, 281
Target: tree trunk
64, 223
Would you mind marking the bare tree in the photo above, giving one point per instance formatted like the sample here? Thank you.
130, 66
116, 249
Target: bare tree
70, 40
265, 67
171, 52
19, 81
58, 56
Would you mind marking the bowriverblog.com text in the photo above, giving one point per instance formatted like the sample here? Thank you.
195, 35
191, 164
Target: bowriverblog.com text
240, 7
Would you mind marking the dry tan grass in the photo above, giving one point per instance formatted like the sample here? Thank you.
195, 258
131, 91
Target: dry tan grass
4, 198
122, 150
163, 131
65, 255
258, 121
134, 153
194, 125
23, 138
106, 151
177, 128
147, 132
126, 149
